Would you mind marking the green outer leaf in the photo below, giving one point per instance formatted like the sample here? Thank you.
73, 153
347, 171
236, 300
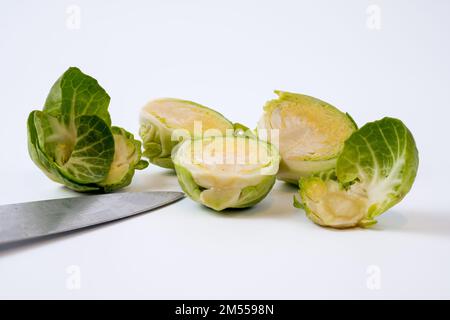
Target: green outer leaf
33, 148
303, 186
164, 162
55, 138
297, 203
187, 183
142, 164
352, 120
93, 152
242, 130
47, 166
382, 150
75, 94
251, 195
158, 144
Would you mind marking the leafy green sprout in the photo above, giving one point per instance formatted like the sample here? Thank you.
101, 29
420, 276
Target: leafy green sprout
376, 169
72, 141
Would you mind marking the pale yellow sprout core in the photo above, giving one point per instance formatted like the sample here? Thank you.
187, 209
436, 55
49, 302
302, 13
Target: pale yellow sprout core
309, 131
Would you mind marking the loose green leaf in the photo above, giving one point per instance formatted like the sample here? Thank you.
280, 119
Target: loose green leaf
75, 94
375, 171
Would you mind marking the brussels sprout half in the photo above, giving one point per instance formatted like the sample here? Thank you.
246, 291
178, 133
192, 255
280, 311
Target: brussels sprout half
311, 133
375, 170
164, 122
226, 171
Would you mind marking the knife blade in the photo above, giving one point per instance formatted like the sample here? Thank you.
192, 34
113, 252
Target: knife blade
35, 219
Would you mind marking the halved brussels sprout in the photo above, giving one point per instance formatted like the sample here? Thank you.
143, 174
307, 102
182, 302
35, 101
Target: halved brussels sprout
72, 140
310, 136
164, 122
226, 171
375, 170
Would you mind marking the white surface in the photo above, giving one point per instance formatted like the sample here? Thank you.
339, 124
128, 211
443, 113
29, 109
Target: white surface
231, 56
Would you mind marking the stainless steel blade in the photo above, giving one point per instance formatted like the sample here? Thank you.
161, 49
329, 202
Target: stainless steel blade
28, 220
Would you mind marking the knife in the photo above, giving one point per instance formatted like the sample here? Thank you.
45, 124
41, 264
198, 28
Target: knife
23, 221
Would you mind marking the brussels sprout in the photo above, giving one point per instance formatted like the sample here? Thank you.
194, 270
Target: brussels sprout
164, 122
310, 136
375, 170
226, 171
72, 140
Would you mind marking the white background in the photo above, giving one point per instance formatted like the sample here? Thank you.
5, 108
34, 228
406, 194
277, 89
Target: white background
230, 55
